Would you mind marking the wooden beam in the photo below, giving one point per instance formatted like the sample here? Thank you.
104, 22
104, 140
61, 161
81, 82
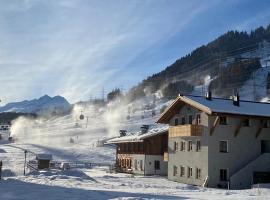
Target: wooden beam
214, 125
258, 132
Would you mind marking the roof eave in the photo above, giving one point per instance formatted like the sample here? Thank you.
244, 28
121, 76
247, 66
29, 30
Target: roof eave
164, 119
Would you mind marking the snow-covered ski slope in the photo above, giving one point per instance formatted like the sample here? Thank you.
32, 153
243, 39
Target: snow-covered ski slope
72, 139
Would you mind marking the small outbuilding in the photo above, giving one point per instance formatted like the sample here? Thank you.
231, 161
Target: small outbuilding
44, 161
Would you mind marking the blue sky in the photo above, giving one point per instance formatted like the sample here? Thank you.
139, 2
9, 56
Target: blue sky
74, 48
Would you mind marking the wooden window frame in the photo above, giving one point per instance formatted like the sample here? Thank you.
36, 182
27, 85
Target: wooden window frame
135, 164
183, 120
190, 143
141, 165
198, 142
176, 146
174, 170
198, 173
227, 149
182, 171
157, 165
190, 122
176, 121
246, 122
221, 122
183, 146
189, 175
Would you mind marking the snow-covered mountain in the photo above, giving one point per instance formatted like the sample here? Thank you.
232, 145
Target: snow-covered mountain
44, 104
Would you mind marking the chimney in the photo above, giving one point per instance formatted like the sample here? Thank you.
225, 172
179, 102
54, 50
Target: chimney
144, 129
208, 95
236, 100
122, 133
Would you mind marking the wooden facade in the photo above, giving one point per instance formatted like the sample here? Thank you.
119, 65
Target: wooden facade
155, 145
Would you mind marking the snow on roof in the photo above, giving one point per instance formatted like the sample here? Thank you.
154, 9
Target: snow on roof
219, 105
138, 137
216, 105
44, 157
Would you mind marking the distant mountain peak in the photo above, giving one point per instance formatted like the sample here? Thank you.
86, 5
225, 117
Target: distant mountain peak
42, 105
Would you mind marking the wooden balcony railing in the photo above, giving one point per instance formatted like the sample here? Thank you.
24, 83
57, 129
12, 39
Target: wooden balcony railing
185, 130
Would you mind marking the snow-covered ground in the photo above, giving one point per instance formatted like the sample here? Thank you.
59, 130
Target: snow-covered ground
99, 184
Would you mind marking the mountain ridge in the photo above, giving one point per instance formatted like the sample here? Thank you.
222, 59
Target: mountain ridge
43, 105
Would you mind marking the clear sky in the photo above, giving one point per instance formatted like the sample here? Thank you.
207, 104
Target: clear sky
75, 47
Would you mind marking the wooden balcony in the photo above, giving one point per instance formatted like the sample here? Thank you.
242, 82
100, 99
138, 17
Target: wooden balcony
185, 130
165, 157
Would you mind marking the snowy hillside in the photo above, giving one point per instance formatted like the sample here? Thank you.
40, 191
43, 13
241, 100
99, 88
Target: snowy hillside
45, 104
254, 89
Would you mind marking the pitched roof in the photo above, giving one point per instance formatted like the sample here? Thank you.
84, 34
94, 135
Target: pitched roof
138, 137
44, 156
216, 105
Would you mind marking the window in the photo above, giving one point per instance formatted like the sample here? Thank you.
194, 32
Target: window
223, 120
129, 163
176, 121
183, 120
198, 173
198, 119
223, 146
223, 175
157, 165
189, 172
190, 119
175, 146
135, 164
182, 171
198, 145
190, 145
141, 147
246, 122
141, 165
174, 170
264, 123
183, 146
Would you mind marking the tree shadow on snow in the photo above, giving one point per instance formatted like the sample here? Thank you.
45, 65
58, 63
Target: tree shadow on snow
19, 190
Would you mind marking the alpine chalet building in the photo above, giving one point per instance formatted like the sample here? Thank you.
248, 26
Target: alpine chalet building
218, 142
142, 153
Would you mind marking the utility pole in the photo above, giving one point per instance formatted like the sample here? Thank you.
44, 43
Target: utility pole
1, 164
103, 94
25, 152
254, 86
86, 121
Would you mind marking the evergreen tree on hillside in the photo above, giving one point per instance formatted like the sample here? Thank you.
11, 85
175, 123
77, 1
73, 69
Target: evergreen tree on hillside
114, 94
